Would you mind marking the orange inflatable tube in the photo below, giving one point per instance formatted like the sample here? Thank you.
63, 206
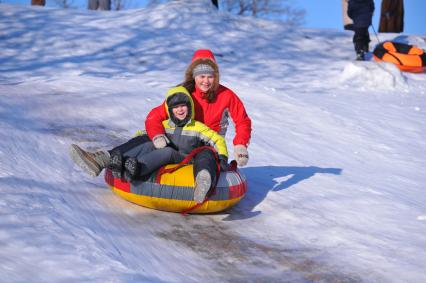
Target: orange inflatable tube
408, 58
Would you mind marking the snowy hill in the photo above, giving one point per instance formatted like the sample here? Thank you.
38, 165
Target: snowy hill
337, 158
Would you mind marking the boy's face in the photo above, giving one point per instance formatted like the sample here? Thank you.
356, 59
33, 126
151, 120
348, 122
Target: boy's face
180, 111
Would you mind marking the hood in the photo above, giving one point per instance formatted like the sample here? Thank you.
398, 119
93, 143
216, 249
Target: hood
179, 95
203, 54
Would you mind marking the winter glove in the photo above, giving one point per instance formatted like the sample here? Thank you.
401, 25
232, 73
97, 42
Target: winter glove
160, 141
241, 154
223, 162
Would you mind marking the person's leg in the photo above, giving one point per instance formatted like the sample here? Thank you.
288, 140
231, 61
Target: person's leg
130, 148
361, 40
205, 172
132, 143
147, 162
94, 162
91, 163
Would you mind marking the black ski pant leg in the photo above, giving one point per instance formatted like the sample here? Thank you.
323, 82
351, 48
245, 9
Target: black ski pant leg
140, 150
361, 39
206, 160
154, 160
130, 144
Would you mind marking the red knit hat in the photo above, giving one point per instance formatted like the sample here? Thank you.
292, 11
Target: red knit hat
204, 54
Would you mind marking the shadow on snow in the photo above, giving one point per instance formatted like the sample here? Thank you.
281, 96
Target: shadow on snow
262, 180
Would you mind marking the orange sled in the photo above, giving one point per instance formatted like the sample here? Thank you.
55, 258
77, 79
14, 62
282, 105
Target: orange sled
408, 58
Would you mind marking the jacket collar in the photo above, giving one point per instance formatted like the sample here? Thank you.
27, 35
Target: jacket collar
199, 93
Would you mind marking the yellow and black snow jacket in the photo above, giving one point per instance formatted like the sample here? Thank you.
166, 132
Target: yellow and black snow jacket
193, 134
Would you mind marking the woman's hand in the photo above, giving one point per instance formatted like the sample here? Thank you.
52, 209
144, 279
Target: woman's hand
241, 154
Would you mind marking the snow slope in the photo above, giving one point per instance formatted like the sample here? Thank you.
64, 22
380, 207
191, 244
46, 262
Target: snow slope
337, 158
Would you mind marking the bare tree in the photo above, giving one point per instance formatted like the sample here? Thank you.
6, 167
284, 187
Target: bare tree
283, 10
118, 4
155, 2
104, 5
63, 3
272, 9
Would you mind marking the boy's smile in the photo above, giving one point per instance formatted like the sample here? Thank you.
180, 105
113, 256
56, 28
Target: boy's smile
180, 111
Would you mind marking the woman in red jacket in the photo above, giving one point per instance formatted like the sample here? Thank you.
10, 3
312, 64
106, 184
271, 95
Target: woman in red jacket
213, 103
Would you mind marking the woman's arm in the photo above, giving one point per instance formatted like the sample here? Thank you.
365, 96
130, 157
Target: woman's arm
241, 120
210, 137
154, 121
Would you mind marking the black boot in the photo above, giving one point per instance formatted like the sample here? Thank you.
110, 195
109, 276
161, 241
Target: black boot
116, 164
132, 168
361, 40
360, 55
91, 162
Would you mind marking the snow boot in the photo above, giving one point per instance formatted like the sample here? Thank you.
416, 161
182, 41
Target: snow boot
203, 182
116, 164
131, 168
91, 163
360, 55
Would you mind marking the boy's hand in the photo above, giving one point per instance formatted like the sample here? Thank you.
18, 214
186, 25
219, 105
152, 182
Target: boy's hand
223, 162
160, 141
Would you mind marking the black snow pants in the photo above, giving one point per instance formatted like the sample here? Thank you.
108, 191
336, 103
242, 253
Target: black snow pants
361, 39
151, 159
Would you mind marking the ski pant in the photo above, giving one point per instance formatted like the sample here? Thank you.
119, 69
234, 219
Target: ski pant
361, 39
99, 4
151, 159
206, 160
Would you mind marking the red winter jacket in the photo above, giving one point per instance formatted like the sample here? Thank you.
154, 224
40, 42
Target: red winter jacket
214, 114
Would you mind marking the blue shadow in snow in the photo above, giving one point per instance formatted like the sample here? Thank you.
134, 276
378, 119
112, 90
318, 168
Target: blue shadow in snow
262, 180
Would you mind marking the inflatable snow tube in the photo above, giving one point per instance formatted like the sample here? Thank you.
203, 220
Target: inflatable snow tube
174, 191
408, 58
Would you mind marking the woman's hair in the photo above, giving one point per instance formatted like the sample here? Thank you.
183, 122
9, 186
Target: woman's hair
189, 82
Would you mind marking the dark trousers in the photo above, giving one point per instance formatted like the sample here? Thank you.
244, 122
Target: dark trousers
206, 160
152, 159
361, 39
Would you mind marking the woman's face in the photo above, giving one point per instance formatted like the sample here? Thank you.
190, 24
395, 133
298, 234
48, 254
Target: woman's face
180, 111
204, 82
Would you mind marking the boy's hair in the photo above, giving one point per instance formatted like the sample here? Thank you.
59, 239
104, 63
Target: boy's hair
175, 100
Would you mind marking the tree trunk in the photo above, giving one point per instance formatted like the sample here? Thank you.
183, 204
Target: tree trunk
99, 5
38, 2
392, 16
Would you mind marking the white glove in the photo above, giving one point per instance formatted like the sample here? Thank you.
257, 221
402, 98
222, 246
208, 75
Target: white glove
241, 154
160, 141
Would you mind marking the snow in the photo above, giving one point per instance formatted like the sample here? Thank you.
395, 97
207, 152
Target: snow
337, 158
